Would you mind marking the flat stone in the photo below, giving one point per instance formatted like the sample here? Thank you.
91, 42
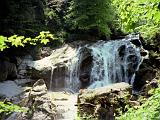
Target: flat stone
10, 89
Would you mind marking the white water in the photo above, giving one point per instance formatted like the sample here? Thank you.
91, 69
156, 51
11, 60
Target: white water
111, 66
73, 70
51, 78
114, 61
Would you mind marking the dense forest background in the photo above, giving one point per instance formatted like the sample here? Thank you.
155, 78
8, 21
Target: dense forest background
81, 20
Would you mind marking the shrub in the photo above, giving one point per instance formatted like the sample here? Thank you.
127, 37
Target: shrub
150, 110
139, 16
8, 108
43, 38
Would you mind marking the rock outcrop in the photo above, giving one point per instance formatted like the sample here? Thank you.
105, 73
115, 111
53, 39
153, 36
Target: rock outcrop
73, 64
103, 103
38, 102
53, 67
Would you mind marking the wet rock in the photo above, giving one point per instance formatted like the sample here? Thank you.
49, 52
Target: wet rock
135, 38
40, 103
121, 50
9, 67
134, 103
144, 74
102, 103
85, 67
39, 52
39, 88
46, 51
136, 42
23, 67
9, 89
144, 53
145, 91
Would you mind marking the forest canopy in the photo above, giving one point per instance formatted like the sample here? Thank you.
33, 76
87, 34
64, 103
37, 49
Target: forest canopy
96, 18
94, 15
139, 16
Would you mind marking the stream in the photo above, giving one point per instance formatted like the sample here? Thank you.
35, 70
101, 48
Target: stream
90, 66
66, 105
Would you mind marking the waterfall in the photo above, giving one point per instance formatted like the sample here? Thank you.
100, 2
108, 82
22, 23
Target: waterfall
96, 64
72, 84
91, 66
112, 62
51, 79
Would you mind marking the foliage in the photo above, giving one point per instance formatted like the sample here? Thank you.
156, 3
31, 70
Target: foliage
17, 41
3, 43
50, 13
139, 16
8, 108
150, 110
54, 12
52, 20
90, 15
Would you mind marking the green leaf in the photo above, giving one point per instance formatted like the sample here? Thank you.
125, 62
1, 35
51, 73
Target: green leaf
45, 41
43, 38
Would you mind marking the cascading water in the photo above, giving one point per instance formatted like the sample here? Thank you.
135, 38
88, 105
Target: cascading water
113, 61
51, 78
92, 66
73, 72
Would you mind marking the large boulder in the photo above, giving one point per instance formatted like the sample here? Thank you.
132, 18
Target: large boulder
39, 102
54, 68
102, 103
58, 68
